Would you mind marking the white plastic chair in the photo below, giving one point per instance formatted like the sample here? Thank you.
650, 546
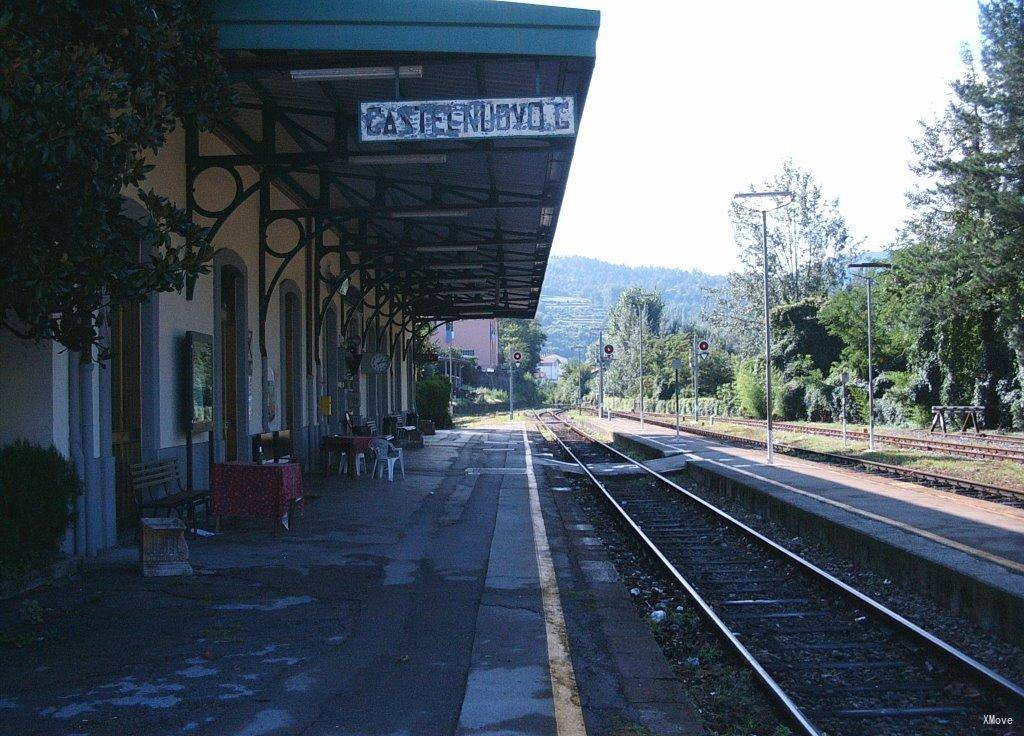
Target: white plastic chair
386, 454
343, 462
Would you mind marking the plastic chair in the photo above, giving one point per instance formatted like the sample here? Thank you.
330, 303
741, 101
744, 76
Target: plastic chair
343, 462
386, 455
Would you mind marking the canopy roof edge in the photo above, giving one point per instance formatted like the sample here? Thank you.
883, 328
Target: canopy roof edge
434, 26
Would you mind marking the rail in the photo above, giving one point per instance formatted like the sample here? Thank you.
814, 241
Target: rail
793, 712
942, 479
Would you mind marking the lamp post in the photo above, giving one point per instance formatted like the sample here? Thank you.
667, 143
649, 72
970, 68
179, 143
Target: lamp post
677, 364
765, 202
846, 377
642, 314
868, 271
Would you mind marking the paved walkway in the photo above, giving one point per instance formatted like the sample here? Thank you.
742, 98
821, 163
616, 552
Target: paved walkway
425, 606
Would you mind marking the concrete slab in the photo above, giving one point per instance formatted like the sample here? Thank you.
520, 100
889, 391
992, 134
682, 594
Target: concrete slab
508, 691
672, 463
360, 620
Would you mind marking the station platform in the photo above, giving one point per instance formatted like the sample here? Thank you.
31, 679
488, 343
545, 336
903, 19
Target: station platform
966, 553
451, 601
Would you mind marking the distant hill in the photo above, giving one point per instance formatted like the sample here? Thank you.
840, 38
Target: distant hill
579, 292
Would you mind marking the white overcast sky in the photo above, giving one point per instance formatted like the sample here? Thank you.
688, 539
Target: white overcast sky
692, 101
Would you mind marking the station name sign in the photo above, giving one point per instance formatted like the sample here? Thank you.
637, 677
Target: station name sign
431, 120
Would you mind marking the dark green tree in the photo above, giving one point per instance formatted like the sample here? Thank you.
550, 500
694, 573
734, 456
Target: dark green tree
964, 287
525, 336
573, 375
798, 331
87, 92
623, 333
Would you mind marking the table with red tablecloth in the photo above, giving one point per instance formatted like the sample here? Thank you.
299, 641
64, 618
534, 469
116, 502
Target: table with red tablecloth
269, 490
350, 444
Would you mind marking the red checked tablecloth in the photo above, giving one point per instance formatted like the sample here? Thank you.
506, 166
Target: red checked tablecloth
248, 489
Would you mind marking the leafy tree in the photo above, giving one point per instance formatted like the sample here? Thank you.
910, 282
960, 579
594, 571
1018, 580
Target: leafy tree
714, 371
797, 331
809, 245
958, 281
634, 304
567, 390
749, 388
580, 292
87, 91
525, 336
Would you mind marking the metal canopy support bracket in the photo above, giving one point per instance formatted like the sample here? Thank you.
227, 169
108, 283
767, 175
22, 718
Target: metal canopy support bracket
386, 219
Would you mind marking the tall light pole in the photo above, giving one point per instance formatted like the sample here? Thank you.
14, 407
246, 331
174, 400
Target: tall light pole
868, 271
845, 379
765, 202
642, 314
677, 364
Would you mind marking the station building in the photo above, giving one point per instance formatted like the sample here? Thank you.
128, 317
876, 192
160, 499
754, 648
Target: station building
390, 165
474, 339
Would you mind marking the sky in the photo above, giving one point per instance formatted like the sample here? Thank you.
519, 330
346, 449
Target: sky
726, 92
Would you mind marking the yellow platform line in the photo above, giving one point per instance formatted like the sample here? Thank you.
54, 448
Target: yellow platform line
564, 690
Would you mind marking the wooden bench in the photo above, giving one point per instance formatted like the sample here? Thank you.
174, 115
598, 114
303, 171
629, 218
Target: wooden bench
156, 486
972, 416
367, 429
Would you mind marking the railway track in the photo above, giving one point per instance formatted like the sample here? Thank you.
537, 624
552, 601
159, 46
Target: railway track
833, 660
992, 449
966, 486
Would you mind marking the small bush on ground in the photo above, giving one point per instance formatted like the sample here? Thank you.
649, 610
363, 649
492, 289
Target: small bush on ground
432, 397
37, 488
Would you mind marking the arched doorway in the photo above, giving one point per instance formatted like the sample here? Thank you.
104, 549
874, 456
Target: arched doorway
234, 387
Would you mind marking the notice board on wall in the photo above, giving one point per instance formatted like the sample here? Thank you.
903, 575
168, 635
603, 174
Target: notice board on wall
199, 381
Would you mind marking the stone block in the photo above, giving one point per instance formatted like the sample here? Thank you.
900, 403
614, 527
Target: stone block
162, 548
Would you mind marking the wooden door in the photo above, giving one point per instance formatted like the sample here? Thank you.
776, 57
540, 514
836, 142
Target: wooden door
229, 362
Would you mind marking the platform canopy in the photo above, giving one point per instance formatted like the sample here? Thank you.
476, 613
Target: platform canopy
433, 137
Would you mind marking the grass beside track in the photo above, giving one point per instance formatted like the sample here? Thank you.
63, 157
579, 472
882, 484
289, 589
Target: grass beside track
1006, 473
488, 418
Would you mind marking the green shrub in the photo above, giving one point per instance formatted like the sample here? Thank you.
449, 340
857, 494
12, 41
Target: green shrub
483, 395
37, 488
432, 400
749, 390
